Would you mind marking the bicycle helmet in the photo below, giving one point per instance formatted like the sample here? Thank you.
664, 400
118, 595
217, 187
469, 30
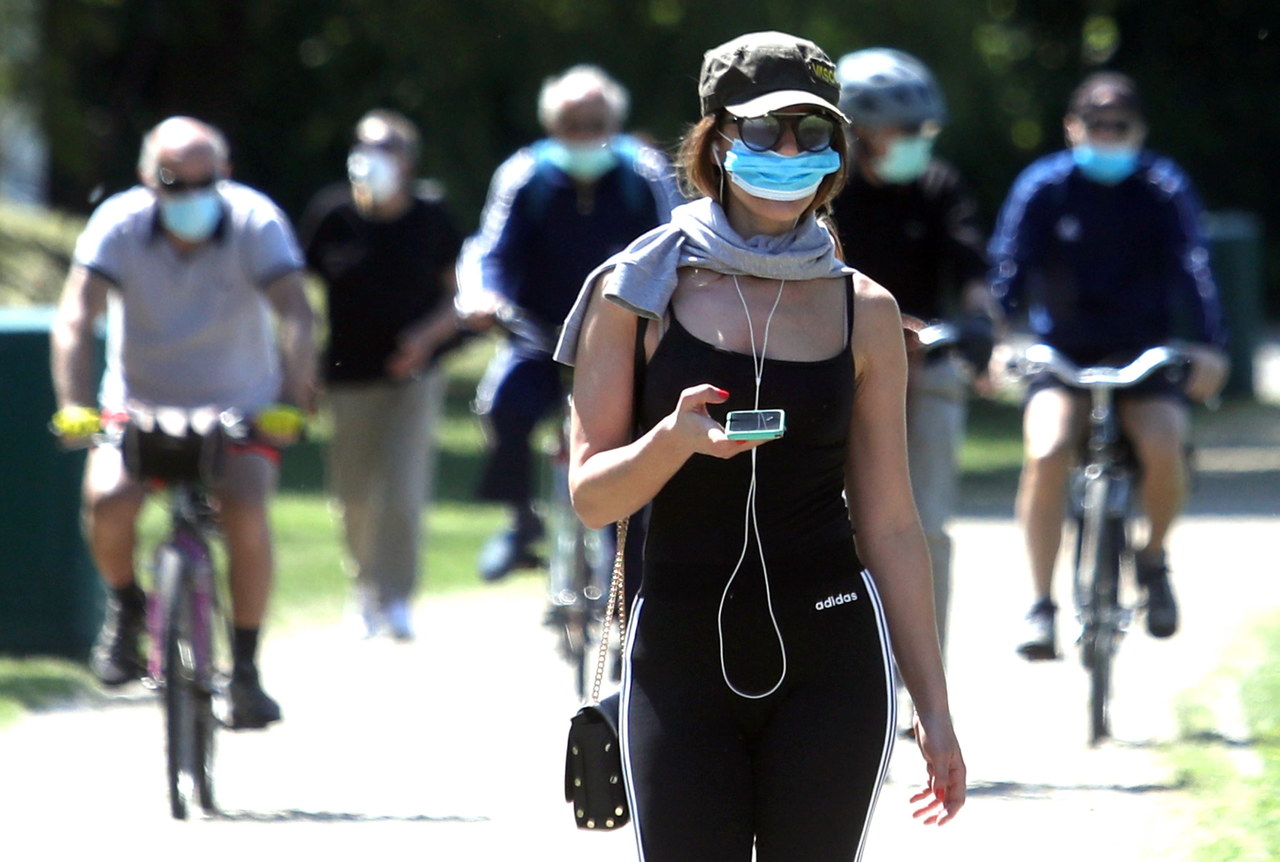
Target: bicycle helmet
884, 87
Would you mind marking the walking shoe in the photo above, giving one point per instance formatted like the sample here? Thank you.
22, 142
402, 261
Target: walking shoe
363, 614
1041, 641
1162, 609
116, 657
249, 707
509, 550
399, 620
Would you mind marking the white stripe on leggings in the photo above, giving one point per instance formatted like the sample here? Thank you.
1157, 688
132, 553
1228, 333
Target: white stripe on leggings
624, 722
892, 697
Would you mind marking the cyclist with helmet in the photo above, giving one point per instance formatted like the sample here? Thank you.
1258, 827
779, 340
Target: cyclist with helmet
906, 220
1101, 245
201, 281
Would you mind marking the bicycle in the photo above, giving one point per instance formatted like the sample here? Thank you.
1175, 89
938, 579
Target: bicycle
1101, 496
178, 451
577, 558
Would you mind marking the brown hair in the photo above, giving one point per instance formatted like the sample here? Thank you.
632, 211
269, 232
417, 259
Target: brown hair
701, 173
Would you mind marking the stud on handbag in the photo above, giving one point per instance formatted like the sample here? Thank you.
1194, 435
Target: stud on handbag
593, 781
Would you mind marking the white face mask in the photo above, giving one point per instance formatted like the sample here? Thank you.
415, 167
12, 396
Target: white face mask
375, 172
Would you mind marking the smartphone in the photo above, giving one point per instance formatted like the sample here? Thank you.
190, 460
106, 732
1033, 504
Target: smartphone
755, 424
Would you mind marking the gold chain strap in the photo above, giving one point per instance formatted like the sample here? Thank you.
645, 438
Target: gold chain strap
617, 604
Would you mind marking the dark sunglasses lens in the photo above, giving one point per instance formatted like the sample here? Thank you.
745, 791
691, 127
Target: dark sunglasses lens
814, 133
760, 133
169, 182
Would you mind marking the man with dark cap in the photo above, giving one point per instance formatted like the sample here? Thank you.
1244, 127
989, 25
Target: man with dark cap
1101, 246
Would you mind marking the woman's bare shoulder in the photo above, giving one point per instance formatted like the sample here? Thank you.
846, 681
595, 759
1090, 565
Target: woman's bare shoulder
873, 302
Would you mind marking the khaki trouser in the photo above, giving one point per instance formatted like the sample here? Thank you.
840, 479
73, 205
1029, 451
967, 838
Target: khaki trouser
381, 470
937, 406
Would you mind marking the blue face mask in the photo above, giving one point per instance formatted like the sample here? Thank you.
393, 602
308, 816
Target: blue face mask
775, 177
1106, 165
905, 159
585, 162
191, 216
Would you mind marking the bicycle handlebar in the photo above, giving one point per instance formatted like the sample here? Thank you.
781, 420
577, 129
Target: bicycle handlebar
1042, 357
526, 327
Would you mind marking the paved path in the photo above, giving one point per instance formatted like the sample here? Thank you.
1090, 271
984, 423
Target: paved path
451, 748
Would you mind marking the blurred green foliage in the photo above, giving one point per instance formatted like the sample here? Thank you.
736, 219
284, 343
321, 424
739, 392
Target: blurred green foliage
35, 251
287, 79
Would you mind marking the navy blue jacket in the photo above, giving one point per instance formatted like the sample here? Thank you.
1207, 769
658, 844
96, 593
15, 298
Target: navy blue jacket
541, 234
1102, 270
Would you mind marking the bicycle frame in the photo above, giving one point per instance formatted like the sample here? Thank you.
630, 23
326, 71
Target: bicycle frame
182, 624
184, 560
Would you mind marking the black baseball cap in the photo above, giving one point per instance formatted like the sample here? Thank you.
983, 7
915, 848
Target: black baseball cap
761, 72
1102, 91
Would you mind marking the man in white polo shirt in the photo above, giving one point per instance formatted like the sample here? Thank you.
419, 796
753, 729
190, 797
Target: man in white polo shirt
201, 280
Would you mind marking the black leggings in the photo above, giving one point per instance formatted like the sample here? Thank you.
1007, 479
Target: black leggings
796, 772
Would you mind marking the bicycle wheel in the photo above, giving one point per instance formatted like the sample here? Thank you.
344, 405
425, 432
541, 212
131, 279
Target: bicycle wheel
1101, 543
188, 701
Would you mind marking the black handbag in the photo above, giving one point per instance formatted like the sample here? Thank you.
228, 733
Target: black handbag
593, 781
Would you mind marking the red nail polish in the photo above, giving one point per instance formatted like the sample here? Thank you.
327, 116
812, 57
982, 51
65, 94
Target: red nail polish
723, 393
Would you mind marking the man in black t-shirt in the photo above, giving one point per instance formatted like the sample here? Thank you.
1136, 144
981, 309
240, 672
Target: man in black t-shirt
905, 220
385, 251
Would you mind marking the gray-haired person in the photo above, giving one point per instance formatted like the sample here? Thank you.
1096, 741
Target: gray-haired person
556, 208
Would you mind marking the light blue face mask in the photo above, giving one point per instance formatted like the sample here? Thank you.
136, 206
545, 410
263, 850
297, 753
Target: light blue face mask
1106, 165
905, 159
191, 216
585, 162
775, 177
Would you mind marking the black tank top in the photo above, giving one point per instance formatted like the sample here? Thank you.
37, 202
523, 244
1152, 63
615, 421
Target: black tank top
697, 520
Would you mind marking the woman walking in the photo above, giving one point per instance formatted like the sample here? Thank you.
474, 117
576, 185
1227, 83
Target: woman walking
758, 702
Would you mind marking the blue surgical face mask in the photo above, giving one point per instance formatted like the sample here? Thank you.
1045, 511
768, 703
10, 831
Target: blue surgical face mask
1106, 165
586, 162
905, 159
191, 216
775, 177
375, 172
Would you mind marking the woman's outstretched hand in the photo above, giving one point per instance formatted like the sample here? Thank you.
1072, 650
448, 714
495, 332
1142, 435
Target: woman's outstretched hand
944, 794
693, 426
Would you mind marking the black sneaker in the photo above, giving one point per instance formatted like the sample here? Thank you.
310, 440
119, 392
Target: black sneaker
1162, 609
1041, 641
249, 707
116, 657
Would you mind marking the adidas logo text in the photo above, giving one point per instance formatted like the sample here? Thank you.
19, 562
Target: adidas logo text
832, 601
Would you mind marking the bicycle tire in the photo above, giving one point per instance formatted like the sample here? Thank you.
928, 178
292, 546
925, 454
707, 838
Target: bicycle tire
1101, 543
583, 615
188, 701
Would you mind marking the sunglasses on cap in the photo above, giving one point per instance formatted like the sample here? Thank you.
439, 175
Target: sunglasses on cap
172, 184
812, 132
1116, 127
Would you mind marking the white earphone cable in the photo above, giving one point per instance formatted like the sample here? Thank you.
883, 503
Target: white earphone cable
751, 524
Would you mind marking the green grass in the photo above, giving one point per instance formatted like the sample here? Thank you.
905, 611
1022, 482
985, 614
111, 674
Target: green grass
1236, 782
40, 683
